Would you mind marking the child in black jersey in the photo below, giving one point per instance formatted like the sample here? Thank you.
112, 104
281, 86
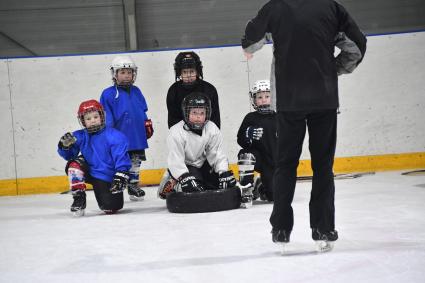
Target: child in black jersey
189, 78
258, 139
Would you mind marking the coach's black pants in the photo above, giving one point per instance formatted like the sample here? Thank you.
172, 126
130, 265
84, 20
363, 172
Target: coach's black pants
292, 126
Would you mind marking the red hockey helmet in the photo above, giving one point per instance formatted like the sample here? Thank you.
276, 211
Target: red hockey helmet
91, 106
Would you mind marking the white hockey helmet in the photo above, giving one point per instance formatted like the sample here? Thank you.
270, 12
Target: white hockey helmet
123, 62
260, 86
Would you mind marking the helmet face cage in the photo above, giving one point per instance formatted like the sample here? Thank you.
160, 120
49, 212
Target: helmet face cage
91, 106
192, 101
123, 62
260, 86
187, 60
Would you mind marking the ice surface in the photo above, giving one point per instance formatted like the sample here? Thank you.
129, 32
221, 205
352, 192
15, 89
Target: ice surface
380, 220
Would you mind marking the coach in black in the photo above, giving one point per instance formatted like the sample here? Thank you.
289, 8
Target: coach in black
304, 34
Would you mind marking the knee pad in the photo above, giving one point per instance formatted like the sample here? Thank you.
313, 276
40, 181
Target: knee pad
79, 163
246, 164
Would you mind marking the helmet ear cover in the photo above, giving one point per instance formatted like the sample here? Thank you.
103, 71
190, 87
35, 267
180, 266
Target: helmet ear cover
91, 106
192, 101
187, 60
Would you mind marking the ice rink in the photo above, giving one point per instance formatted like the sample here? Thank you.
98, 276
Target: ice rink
380, 219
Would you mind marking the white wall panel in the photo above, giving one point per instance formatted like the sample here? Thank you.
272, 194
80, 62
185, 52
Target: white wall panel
382, 103
7, 164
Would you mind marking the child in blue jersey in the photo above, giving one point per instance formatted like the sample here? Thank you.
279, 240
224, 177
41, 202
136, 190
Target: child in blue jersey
125, 108
96, 155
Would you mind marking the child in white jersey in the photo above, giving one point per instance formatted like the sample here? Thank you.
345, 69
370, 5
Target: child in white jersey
196, 159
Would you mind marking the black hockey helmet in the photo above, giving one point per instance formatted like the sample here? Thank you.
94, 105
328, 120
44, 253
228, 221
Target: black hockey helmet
187, 60
196, 100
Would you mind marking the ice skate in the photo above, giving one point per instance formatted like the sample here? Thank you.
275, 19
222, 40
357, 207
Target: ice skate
246, 194
324, 240
281, 237
79, 205
135, 193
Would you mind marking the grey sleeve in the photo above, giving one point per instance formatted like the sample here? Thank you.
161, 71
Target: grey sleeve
350, 55
259, 44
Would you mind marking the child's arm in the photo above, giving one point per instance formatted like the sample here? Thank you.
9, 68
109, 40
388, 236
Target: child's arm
119, 147
176, 154
68, 147
215, 108
174, 111
215, 151
243, 140
109, 115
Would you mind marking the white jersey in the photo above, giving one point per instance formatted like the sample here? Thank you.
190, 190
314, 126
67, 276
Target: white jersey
187, 148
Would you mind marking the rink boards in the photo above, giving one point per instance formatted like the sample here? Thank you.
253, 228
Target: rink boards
380, 126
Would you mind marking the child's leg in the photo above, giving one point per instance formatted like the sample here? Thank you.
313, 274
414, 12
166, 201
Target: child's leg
76, 175
107, 201
134, 191
246, 164
206, 175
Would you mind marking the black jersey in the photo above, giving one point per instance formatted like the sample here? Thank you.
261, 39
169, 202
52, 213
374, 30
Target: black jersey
177, 92
304, 34
268, 142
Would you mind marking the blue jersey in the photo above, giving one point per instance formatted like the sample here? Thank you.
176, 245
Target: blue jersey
126, 112
104, 151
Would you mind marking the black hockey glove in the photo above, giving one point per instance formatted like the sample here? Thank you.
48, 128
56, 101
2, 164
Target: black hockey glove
226, 180
189, 183
254, 133
120, 182
66, 141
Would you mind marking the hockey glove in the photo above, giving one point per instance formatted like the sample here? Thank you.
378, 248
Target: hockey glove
253, 133
189, 183
120, 182
149, 128
67, 141
167, 189
226, 180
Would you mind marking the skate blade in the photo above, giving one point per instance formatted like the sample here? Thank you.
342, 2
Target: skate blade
283, 247
246, 204
134, 198
78, 213
324, 246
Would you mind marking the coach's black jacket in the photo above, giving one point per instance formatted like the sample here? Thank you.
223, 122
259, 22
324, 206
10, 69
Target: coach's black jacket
304, 34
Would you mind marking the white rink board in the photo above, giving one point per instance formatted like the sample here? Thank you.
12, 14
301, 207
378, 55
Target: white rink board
382, 103
7, 164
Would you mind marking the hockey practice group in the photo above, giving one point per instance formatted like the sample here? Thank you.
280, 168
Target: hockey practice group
108, 152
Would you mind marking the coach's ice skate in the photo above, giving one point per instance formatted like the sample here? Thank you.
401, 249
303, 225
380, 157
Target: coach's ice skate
135, 193
324, 240
281, 237
246, 194
79, 205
